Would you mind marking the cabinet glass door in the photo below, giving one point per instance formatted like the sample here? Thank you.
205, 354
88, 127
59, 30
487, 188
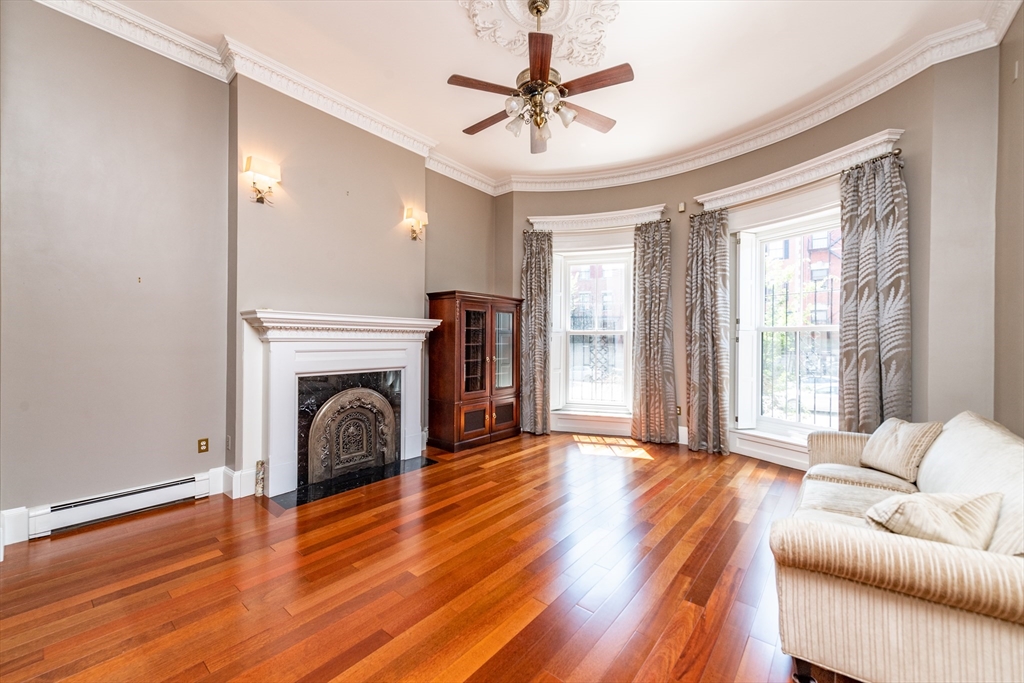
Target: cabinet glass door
475, 351
504, 349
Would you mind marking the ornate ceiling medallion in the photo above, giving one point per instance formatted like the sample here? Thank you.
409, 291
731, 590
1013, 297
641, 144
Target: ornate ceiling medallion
578, 26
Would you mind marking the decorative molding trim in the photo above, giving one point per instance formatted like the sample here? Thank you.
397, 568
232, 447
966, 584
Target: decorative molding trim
970, 37
463, 174
807, 172
240, 59
578, 26
233, 57
293, 325
137, 28
15, 525
597, 221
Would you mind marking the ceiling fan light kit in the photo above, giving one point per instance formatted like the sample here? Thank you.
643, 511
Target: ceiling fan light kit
540, 95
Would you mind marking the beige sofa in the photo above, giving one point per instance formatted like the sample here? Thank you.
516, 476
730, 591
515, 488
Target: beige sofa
877, 606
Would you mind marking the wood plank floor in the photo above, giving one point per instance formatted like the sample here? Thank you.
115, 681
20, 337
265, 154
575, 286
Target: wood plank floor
560, 558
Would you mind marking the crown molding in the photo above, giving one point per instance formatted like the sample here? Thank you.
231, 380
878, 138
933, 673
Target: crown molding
243, 60
597, 221
808, 172
137, 28
233, 57
463, 174
970, 37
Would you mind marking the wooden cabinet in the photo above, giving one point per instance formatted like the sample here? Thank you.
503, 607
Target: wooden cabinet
473, 369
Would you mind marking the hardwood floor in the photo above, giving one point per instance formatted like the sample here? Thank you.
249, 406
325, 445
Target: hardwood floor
547, 559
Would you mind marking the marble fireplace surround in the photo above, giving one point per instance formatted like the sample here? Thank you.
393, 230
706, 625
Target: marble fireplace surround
281, 346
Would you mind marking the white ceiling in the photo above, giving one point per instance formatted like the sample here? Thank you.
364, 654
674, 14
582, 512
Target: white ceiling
705, 71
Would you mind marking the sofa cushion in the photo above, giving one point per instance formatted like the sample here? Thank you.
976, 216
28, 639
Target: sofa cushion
859, 476
974, 455
956, 518
844, 499
898, 446
812, 515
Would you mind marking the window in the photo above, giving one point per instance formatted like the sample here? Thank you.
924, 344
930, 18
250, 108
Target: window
787, 303
798, 329
597, 348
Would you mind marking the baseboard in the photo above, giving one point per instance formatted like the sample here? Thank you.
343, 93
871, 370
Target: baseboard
423, 443
684, 436
21, 524
600, 425
237, 484
777, 451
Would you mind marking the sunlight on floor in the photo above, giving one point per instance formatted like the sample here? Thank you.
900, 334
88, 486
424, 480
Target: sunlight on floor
615, 446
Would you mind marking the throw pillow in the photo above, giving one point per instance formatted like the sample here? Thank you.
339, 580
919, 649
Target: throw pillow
955, 518
898, 446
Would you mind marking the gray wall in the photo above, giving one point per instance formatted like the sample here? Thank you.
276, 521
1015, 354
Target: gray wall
1009, 262
113, 255
334, 240
914, 106
460, 237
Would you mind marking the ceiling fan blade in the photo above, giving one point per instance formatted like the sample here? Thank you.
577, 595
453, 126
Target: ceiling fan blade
623, 73
475, 84
591, 119
486, 123
540, 56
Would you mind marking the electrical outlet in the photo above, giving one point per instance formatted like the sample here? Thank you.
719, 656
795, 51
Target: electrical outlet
204, 445
679, 410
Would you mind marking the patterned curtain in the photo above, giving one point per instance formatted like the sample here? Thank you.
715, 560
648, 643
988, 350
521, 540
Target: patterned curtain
874, 332
536, 329
707, 332
654, 372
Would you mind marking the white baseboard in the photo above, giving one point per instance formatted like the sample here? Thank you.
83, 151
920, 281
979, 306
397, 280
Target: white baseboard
765, 447
21, 524
237, 484
423, 445
600, 425
684, 436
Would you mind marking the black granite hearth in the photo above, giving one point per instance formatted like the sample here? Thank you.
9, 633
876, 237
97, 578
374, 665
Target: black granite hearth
349, 481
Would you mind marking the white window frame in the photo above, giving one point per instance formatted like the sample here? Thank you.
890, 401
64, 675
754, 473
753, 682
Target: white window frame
749, 250
625, 257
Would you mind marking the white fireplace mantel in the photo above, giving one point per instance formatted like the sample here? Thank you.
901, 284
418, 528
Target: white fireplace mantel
285, 345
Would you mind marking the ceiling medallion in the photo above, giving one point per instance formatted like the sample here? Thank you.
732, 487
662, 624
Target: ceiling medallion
578, 26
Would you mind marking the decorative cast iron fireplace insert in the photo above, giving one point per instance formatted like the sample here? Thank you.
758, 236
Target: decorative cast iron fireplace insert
347, 422
355, 429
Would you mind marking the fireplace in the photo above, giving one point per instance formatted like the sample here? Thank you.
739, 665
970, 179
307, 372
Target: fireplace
347, 422
294, 364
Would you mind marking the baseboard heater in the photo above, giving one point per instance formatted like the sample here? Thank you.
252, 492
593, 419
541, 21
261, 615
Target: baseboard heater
46, 519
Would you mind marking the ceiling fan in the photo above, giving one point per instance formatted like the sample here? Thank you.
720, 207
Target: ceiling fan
540, 94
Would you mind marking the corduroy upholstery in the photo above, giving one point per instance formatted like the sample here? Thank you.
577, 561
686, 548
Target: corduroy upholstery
879, 606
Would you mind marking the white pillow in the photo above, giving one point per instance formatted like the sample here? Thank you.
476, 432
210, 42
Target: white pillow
955, 518
898, 446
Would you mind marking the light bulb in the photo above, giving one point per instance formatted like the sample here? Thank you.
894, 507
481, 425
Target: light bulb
514, 105
515, 126
538, 144
551, 96
567, 115
544, 132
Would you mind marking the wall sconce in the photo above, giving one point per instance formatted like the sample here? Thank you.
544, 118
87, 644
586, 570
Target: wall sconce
263, 173
417, 221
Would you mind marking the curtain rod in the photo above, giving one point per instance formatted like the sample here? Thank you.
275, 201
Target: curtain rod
895, 153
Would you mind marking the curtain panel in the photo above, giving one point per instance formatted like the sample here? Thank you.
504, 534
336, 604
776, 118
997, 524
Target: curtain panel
874, 332
707, 332
654, 372
535, 397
